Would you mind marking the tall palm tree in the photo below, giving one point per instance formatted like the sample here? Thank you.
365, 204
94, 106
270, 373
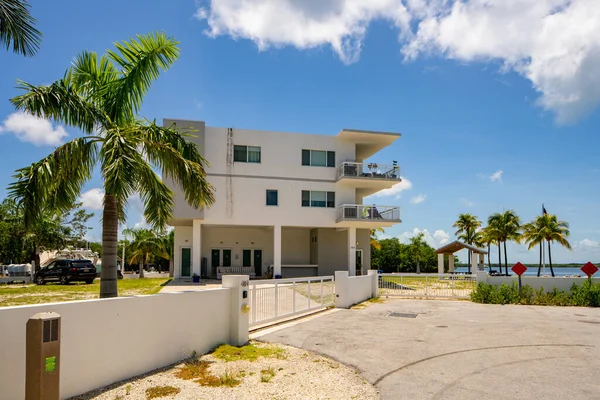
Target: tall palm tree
506, 226
17, 28
416, 247
533, 235
101, 95
145, 245
488, 238
549, 228
168, 241
467, 225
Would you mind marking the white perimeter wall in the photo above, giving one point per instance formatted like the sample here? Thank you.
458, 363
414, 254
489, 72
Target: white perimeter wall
350, 290
104, 341
536, 283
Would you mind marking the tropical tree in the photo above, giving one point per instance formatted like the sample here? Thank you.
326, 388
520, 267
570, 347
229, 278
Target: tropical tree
101, 95
17, 28
169, 247
488, 238
417, 248
145, 245
549, 228
505, 226
466, 229
374, 240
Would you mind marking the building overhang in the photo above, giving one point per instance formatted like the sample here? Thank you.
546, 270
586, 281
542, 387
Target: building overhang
457, 245
367, 142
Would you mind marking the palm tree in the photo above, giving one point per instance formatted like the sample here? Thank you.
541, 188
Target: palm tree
488, 238
101, 96
547, 227
533, 235
16, 28
417, 245
374, 240
467, 225
145, 245
169, 247
506, 226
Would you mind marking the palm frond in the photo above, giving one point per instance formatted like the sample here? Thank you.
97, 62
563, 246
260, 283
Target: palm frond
17, 28
54, 182
157, 198
141, 60
92, 76
61, 102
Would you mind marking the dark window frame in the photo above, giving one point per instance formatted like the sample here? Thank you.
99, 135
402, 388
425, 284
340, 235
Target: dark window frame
329, 199
276, 197
239, 148
329, 158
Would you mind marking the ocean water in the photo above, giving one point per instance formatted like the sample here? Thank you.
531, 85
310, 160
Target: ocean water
532, 271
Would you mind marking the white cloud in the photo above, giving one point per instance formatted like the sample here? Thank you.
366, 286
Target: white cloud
93, 199
395, 190
587, 244
555, 44
418, 198
38, 131
438, 239
496, 176
466, 202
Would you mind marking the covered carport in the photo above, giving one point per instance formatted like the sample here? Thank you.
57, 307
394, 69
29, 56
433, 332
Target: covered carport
477, 256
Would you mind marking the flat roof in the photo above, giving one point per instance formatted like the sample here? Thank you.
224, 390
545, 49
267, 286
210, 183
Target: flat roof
368, 142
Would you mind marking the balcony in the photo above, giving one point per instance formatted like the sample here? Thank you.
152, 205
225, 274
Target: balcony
369, 171
372, 215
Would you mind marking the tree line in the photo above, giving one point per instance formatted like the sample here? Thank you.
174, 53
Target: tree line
543, 230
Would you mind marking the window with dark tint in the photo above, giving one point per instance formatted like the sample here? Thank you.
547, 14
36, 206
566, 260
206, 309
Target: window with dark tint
250, 154
305, 157
305, 198
272, 197
331, 158
331, 199
318, 158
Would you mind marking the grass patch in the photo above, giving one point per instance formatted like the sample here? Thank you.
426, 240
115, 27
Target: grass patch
315, 291
267, 374
198, 371
366, 303
11, 295
249, 352
161, 391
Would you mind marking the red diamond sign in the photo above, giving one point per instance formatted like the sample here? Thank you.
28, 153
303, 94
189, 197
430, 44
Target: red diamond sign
589, 269
519, 269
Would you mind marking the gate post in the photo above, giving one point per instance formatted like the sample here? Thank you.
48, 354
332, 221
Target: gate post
341, 289
375, 282
239, 321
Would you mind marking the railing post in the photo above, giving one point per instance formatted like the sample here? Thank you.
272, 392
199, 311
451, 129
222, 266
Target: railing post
321, 301
253, 303
309, 294
276, 300
294, 298
426, 287
452, 277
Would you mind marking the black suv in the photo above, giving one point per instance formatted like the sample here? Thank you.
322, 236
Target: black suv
66, 271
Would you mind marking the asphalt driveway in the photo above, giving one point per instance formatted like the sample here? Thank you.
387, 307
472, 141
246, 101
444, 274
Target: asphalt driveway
461, 350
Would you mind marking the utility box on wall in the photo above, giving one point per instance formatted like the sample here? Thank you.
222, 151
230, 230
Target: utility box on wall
42, 357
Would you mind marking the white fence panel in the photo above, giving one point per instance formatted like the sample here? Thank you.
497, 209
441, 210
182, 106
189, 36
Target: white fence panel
275, 299
427, 285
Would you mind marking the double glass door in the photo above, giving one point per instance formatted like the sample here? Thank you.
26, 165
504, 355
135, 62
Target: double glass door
253, 257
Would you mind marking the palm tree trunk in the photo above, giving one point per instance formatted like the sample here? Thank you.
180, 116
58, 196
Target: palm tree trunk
489, 257
550, 259
171, 267
141, 267
540, 264
418, 267
110, 226
499, 258
505, 260
469, 261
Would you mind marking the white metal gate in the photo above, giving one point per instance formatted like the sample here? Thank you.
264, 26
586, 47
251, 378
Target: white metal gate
427, 285
276, 299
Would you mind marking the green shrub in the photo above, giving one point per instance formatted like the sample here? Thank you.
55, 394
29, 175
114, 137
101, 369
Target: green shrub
586, 295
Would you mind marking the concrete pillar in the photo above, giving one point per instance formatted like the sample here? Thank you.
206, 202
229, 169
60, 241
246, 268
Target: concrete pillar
373, 274
451, 263
276, 250
352, 251
196, 246
239, 323
474, 263
342, 299
481, 262
440, 263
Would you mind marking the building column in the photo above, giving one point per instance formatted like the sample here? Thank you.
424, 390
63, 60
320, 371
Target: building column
352, 251
196, 246
481, 262
440, 263
474, 263
451, 263
276, 250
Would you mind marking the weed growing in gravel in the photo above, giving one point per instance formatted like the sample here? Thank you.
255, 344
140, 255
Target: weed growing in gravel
249, 352
127, 389
198, 371
267, 374
161, 391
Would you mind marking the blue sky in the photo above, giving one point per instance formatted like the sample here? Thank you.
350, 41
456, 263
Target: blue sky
491, 119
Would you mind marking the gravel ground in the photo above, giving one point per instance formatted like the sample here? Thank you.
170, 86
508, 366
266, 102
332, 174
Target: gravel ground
301, 375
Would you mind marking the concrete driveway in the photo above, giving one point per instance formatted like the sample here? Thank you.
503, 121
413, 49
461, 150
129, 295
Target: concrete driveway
461, 350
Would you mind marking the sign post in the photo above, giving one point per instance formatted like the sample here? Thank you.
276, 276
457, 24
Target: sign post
589, 269
519, 269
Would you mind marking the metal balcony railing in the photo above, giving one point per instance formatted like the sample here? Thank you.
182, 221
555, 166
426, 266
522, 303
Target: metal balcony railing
360, 212
351, 169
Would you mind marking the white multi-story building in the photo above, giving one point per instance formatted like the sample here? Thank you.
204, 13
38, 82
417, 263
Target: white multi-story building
288, 204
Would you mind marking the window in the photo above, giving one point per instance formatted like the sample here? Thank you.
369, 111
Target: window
250, 154
272, 197
318, 199
318, 158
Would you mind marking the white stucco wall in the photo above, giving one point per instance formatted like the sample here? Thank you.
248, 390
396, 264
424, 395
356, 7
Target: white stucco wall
295, 246
104, 341
352, 290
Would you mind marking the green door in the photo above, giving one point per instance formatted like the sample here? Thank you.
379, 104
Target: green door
258, 262
247, 258
226, 258
215, 258
186, 261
